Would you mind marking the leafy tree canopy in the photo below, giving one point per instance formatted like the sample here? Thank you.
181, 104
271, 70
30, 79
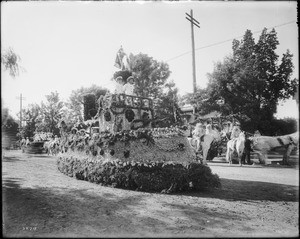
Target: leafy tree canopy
32, 117
8, 122
10, 61
167, 107
152, 82
150, 75
75, 102
250, 82
51, 112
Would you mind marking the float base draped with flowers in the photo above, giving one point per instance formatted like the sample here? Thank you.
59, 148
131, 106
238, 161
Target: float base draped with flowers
152, 160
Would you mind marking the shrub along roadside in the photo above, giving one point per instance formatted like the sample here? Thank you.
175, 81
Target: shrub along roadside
148, 177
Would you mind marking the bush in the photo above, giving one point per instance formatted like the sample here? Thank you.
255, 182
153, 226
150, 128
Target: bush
148, 177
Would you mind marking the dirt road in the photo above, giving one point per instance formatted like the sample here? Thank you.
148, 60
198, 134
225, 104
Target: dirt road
39, 201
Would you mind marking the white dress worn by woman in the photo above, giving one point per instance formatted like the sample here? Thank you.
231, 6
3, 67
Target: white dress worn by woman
128, 89
119, 88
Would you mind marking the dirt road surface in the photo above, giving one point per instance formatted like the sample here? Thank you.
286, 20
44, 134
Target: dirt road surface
39, 201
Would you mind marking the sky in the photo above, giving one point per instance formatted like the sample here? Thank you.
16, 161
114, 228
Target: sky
66, 45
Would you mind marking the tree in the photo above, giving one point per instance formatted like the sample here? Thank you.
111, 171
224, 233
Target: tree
150, 75
166, 106
9, 129
75, 102
8, 122
151, 82
51, 114
10, 61
30, 115
250, 81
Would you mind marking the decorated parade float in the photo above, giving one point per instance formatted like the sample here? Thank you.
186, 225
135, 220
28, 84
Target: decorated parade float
128, 120
125, 149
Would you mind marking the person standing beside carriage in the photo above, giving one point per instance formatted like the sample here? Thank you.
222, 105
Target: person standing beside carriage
247, 150
197, 133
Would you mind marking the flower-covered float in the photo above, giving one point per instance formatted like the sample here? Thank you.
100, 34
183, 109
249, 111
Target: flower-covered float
126, 150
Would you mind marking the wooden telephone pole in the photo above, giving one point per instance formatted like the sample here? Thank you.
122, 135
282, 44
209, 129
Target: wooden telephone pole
20, 98
193, 22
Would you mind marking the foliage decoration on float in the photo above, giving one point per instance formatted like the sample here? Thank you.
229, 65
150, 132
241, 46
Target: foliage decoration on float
107, 115
148, 177
129, 114
78, 140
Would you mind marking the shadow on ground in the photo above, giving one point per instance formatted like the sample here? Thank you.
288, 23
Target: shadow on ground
241, 190
55, 212
61, 212
10, 159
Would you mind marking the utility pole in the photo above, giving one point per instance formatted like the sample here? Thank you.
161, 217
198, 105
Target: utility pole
193, 22
20, 98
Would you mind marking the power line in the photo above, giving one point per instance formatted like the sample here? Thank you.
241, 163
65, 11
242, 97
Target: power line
215, 44
221, 42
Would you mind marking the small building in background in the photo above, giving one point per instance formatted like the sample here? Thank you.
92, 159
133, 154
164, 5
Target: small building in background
188, 113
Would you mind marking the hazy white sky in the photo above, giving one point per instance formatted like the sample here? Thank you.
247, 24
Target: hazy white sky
66, 45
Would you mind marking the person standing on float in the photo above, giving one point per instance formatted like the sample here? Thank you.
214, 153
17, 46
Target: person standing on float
129, 86
119, 85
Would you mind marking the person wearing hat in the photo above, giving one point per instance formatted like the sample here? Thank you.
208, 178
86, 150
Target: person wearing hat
247, 150
129, 86
119, 85
257, 133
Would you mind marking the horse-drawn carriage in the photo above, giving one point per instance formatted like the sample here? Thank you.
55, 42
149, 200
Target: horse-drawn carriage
214, 136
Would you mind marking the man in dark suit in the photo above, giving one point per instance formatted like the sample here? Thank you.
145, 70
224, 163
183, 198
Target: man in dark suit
247, 150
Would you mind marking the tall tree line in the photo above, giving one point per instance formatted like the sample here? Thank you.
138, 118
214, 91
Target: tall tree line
249, 82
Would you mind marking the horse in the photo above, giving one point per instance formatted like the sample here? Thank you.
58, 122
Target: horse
236, 144
52, 146
262, 144
46, 146
203, 138
210, 131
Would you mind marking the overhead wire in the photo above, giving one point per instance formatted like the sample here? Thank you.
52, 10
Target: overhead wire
221, 42
217, 43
